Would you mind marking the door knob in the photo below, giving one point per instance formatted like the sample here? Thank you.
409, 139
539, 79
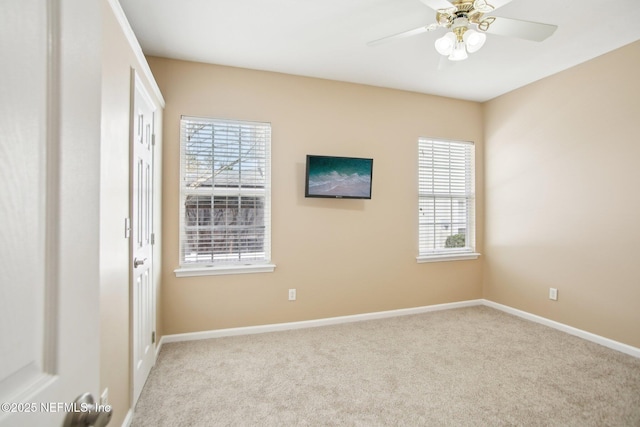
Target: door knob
87, 413
138, 262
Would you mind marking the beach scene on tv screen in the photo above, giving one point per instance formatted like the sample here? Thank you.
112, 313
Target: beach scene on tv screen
338, 176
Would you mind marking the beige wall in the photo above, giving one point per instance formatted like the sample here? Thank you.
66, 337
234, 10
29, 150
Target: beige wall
343, 256
115, 360
562, 198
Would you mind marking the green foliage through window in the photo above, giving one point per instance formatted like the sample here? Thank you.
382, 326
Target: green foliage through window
455, 241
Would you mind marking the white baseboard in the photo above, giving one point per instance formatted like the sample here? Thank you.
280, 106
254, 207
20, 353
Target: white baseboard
128, 418
615, 345
313, 323
158, 348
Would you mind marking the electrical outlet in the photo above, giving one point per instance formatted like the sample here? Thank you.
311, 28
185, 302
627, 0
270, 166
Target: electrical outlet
104, 397
292, 294
553, 294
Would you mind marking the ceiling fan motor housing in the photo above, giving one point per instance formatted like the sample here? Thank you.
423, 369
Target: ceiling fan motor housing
462, 10
460, 26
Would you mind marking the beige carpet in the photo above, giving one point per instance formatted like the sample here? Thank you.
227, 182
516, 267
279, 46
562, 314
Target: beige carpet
465, 367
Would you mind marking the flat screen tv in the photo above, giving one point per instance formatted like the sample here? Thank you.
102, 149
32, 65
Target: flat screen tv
338, 177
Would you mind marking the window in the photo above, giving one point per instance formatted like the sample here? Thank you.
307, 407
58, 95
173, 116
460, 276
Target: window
446, 201
224, 196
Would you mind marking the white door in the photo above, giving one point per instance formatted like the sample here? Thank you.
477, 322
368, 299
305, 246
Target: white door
142, 287
49, 217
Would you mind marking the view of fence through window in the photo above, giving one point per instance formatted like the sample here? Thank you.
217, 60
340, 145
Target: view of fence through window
225, 191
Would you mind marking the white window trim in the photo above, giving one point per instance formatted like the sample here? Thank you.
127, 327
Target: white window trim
447, 257
203, 269
454, 255
223, 269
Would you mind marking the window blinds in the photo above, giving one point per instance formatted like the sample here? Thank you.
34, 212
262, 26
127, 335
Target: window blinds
225, 192
446, 197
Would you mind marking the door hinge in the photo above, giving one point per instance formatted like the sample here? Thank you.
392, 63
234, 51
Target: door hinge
153, 337
153, 238
153, 139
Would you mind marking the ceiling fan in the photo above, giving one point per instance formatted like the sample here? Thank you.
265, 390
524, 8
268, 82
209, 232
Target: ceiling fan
462, 16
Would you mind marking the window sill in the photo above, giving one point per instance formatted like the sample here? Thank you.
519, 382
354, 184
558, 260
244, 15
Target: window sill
447, 257
227, 269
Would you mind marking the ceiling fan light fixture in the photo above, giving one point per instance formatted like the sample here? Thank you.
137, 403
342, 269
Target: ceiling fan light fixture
459, 52
445, 44
474, 40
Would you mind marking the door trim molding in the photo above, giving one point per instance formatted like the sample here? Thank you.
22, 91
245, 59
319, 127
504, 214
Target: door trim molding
52, 190
137, 50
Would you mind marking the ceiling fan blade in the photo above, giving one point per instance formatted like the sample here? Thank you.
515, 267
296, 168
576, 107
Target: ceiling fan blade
437, 4
521, 29
404, 34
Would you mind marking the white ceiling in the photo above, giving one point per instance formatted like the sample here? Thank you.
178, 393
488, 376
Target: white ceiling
328, 39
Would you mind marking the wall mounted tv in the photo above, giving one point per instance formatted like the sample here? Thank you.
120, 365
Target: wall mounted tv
338, 177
